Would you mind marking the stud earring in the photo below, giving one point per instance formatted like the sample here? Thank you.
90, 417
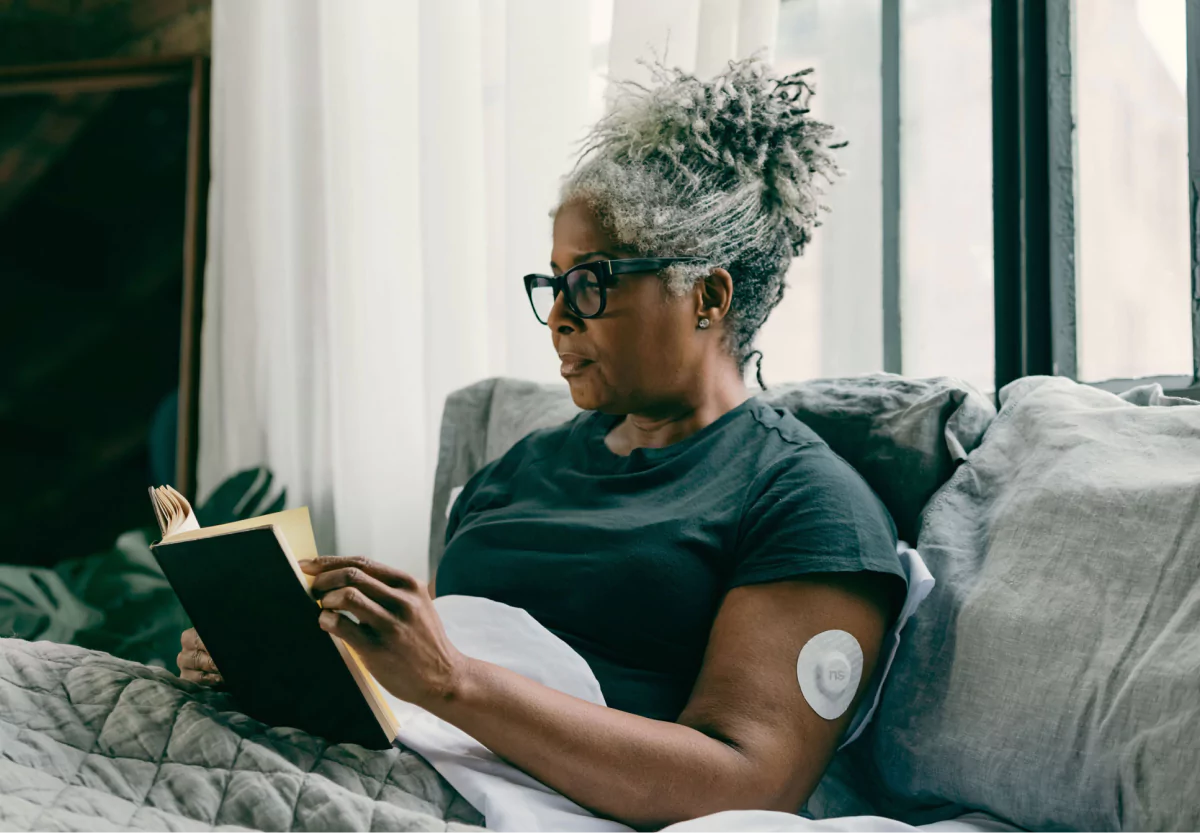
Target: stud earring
703, 323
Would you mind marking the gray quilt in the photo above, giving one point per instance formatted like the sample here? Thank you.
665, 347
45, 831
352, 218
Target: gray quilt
92, 742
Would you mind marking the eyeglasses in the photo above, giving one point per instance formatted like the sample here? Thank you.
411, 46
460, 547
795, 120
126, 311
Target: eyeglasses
586, 285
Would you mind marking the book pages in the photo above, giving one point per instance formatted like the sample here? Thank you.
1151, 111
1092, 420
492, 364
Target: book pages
173, 511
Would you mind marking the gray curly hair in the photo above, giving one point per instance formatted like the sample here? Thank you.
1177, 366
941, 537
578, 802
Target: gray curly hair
725, 170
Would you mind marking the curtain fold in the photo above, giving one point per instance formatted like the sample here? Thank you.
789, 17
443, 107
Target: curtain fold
382, 176
314, 330
699, 36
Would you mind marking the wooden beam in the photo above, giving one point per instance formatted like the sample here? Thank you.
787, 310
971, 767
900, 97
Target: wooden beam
158, 64
195, 245
95, 76
77, 86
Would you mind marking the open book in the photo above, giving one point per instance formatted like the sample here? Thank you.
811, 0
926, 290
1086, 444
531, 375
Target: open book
242, 586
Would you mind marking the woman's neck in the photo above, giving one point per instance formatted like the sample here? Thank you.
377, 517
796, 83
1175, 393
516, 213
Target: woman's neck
669, 423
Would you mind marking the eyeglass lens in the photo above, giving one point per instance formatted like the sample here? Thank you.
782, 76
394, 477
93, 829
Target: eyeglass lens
542, 295
583, 291
583, 294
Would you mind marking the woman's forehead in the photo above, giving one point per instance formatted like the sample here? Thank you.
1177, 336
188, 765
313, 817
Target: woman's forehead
578, 234
576, 224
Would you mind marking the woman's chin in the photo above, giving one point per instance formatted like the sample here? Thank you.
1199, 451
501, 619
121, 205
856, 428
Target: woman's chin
584, 394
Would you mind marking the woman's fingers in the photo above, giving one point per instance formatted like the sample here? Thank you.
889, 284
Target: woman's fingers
190, 640
197, 666
203, 661
375, 594
202, 677
193, 657
196, 660
353, 600
380, 572
386, 596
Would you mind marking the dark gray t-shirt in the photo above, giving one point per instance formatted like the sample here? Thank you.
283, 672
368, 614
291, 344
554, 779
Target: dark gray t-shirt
627, 559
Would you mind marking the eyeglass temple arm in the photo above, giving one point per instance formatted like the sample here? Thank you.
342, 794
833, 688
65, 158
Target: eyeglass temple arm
645, 264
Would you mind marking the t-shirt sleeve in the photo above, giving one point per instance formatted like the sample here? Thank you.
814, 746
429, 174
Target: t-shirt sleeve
813, 513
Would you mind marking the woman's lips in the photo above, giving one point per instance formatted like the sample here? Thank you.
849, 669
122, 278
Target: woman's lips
573, 365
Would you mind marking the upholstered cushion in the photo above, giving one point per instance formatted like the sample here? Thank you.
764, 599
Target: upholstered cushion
1053, 676
905, 436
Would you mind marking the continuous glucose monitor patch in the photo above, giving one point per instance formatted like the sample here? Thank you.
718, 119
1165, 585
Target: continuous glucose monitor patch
829, 669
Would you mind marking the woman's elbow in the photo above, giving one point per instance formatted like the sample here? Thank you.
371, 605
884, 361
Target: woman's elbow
755, 789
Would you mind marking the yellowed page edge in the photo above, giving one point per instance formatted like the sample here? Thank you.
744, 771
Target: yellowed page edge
367, 683
295, 524
369, 687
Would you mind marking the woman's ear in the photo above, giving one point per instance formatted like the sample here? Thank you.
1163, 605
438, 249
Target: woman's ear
714, 295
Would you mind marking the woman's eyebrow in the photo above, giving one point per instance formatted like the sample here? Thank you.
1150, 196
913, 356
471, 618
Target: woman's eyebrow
590, 255
585, 256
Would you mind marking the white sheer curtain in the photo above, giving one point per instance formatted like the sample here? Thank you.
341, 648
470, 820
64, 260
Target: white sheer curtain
382, 177
700, 36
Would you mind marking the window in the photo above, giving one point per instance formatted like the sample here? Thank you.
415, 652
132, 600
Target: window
830, 322
946, 191
1092, 105
1057, 127
1132, 281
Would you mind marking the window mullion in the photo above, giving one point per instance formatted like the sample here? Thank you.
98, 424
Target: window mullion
891, 138
1022, 192
1193, 100
1060, 94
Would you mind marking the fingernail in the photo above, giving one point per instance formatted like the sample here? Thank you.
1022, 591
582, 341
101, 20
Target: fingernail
309, 565
327, 619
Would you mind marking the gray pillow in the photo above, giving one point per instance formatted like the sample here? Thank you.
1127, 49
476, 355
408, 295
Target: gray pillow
1052, 677
905, 436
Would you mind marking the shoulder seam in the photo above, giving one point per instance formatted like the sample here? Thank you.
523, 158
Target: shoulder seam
769, 472
789, 440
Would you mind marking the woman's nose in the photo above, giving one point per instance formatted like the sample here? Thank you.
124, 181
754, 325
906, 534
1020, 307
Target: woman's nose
562, 319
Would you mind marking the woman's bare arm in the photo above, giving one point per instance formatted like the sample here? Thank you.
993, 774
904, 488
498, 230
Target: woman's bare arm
747, 738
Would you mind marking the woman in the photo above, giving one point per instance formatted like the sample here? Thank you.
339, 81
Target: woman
685, 538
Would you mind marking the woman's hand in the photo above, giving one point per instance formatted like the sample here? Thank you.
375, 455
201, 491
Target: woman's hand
399, 636
195, 663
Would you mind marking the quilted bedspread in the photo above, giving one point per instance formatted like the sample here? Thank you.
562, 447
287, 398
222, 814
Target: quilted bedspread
92, 742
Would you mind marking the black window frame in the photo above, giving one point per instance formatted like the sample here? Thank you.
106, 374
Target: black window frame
1034, 187
1034, 154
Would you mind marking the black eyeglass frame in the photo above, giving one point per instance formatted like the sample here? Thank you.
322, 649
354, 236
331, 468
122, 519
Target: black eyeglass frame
605, 271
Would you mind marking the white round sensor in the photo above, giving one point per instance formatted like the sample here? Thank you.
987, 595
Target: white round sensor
833, 674
829, 669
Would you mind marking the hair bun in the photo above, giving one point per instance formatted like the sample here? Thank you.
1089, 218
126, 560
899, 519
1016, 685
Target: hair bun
744, 128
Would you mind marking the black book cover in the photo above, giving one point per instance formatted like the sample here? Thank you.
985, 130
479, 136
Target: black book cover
260, 625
